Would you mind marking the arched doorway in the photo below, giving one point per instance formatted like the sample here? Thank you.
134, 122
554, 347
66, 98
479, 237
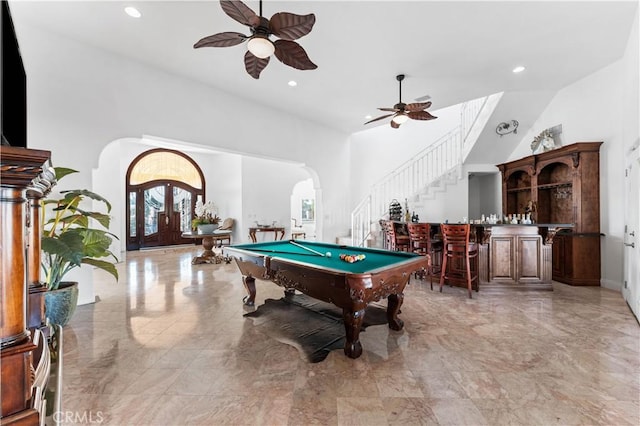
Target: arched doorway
162, 187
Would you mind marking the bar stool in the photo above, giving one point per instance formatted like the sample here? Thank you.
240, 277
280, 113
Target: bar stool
460, 259
386, 242
422, 242
395, 240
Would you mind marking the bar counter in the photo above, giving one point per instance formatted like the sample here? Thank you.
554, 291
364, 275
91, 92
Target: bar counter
514, 254
517, 254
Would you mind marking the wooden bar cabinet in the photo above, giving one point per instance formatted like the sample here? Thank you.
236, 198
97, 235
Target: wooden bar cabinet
564, 186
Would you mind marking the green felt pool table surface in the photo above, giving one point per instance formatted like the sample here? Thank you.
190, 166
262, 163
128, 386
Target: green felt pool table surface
375, 259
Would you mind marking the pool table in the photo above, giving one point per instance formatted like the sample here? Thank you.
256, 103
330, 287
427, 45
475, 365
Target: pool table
306, 267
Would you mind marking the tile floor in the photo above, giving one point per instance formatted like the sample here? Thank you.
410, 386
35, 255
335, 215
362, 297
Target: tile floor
168, 345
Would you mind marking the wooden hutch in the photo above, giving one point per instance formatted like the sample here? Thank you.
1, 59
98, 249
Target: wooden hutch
564, 185
24, 177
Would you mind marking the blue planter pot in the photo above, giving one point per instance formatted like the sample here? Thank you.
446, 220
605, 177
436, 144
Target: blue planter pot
60, 304
207, 229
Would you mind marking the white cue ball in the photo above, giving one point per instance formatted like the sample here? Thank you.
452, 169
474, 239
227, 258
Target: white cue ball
328, 254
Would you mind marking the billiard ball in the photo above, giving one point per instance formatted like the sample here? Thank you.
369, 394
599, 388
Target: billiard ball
328, 254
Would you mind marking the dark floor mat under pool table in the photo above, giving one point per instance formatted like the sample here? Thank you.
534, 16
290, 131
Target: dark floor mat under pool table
312, 326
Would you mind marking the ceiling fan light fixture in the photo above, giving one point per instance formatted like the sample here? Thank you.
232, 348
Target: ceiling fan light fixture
402, 112
260, 47
400, 118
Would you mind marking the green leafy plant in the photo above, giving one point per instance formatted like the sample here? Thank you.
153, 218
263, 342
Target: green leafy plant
68, 238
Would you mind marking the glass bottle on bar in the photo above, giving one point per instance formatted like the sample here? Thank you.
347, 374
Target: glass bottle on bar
407, 215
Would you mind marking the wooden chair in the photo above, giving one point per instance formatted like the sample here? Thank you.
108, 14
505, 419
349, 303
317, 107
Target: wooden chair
460, 259
423, 242
397, 240
224, 232
297, 231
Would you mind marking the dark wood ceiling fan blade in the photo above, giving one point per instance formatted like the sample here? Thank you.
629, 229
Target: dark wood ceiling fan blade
417, 106
254, 65
421, 115
240, 12
389, 109
221, 40
292, 54
379, 118
394, 124
289, 26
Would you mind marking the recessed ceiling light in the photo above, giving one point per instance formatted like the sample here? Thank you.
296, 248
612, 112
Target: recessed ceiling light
132, 11
292, 83
518, 69
424, 98
367, 117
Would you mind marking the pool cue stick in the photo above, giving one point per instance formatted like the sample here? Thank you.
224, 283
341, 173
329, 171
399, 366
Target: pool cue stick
283, 252
306, 248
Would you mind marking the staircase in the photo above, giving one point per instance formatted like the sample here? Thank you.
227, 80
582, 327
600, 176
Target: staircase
438, 164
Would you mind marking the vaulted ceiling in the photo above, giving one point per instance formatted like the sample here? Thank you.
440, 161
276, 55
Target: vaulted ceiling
452, 51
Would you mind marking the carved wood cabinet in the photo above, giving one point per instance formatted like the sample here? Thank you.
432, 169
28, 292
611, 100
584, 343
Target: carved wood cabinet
564, 185
23, 176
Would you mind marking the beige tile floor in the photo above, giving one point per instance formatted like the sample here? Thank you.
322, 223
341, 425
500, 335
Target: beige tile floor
168, 345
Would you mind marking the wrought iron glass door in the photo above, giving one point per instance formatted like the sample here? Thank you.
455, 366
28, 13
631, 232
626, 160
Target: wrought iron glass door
162, 188
158, 215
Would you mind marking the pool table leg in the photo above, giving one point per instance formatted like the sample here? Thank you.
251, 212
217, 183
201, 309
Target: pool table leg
250, 285
352, 324
394, 301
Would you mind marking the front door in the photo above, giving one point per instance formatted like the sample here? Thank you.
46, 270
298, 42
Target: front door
631, 284
159, 212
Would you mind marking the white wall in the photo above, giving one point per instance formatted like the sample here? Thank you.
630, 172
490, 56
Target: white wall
485, 196
601, 107
266, 193
449, 205
81, 99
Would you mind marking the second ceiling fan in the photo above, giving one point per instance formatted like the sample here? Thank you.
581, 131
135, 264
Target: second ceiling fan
401, 112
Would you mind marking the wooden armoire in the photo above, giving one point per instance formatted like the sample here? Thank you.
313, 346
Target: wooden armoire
564, 185
24, 179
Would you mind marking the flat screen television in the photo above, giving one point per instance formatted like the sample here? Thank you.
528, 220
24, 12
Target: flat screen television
13, 91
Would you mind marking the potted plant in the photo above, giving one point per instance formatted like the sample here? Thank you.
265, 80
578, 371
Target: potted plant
206, 219
69, 239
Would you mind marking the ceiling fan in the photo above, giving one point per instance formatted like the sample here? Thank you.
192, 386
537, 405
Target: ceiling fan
401, 112
286, 26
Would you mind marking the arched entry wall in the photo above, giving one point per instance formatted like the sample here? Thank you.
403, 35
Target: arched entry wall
223, 171
162, 187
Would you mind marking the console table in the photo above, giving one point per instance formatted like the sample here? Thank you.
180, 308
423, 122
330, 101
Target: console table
274, 229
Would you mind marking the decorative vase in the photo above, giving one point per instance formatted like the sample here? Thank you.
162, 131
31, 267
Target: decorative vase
60, 304
207, 228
